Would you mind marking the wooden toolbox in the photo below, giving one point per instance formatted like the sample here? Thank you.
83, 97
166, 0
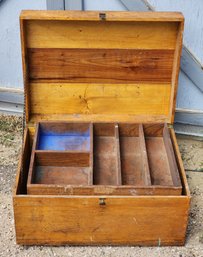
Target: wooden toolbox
100, 162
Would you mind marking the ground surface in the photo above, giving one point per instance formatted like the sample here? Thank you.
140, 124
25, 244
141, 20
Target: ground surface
10, 143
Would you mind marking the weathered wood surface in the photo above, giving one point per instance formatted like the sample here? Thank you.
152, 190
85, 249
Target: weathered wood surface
94, 15
56, 220
101, 65
104, 102
141, 48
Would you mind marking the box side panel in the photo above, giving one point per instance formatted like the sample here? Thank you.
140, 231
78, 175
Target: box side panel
183, 177
118, 221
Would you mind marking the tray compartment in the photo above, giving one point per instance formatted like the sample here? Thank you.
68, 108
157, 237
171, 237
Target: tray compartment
62, 154
162, 162
64, 136
107, 168
54, 171
134, 162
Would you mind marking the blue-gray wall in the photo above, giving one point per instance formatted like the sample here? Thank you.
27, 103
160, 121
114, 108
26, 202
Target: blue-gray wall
10, 53
190, 92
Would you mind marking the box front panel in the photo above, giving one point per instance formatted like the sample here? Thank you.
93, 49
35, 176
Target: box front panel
92, 221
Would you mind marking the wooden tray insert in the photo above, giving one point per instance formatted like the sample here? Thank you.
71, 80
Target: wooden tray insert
62, 154
111, 159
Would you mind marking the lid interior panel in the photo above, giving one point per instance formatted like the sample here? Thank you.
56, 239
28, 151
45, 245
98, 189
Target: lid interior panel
100, 70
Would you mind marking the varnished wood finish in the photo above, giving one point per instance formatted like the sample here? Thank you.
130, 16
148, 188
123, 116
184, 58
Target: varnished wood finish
52, 219
112, 34
88, 214
106, 157
101, 102
57, 175
146, 172
144, 46
118, 157
101, 65
56, 220
82, 189
63, 158
94, 16
171, 157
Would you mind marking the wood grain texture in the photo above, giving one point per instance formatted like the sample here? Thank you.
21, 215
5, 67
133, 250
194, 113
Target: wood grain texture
62, 158
144, 158
99, 190
176, 68
56, 175
94, 16
100, 99
98, 118
101, 65
93, 34
56, 220
133, 31
171, 157
186, 190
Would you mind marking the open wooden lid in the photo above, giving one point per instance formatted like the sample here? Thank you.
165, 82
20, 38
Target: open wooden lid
93, 66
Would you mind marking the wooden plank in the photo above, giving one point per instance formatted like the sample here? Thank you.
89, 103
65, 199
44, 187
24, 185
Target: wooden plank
186, 190
105, 101
33, 156
117, 141
20, 185
171, 157
112, 34
57, 220
23, 37
63, 158
98, 118
101, 65
146, 172
90, 175
54, 188
176, 68
94, 15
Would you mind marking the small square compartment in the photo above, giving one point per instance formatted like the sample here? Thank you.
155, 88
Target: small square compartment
63, 137
61, 155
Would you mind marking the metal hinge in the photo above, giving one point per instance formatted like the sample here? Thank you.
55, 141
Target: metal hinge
170, 126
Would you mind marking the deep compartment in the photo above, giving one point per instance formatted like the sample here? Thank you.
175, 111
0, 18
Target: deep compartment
107, 169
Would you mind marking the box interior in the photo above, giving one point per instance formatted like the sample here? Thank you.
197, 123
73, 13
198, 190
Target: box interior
118, 154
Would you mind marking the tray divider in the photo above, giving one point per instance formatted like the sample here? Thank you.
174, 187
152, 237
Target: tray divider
90, 176
171, 157
32, 158
117, 140
143, 151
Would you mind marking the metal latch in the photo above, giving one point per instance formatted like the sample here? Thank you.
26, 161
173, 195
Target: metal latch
102, 201
102, 16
